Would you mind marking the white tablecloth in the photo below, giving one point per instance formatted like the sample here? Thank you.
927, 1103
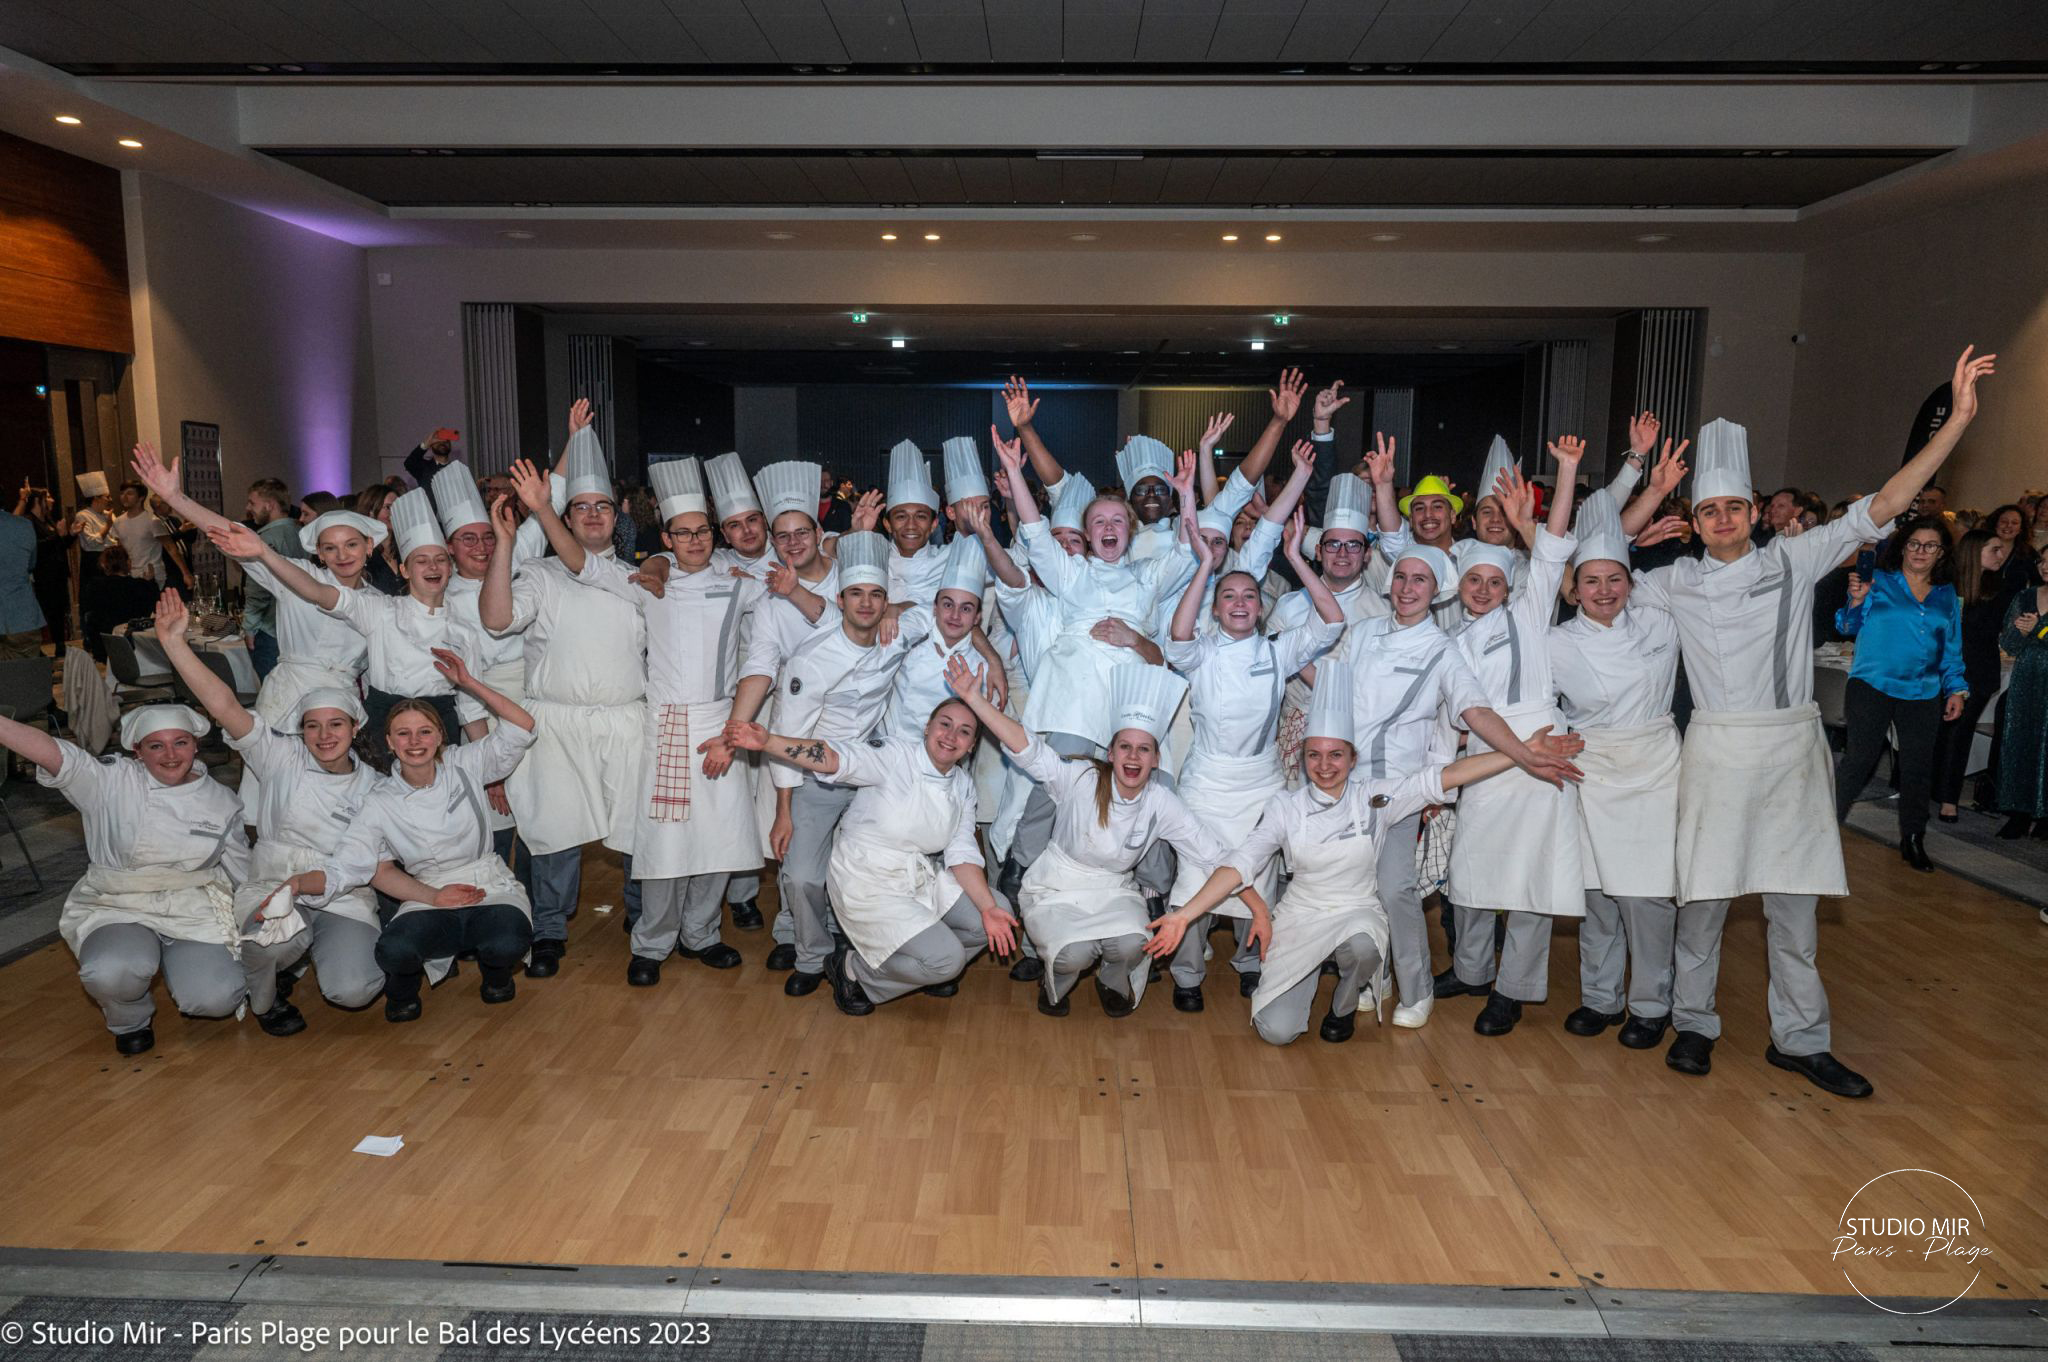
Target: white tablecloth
150, 659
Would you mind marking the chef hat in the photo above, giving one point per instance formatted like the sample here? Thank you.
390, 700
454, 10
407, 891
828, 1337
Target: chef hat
1476, 552
91, 485
731, 490
1141, 458
1437, 561
1498, 461
679, 487
376, 531
1599, 532
1329, 703
1720, 462
1350, 504
863, 558
1144, 698
1214, 517
414, 524
910, 478
791, 485
140, 722
964, 476
1075, 494
582, 468
456, 495
966, 566
328, 697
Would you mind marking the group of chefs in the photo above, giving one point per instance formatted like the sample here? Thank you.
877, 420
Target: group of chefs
1079, 734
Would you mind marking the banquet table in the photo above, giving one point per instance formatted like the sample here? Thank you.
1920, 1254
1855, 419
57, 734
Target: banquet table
228, 642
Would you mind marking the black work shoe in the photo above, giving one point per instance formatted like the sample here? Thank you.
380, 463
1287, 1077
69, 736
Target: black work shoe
1029, 969
1058, 1009
1822, 1070
498, 993
945, 990
136, 1042
1449, 985
1247, 983
282, 1020
1499, 1015
746, 916
1114, 1004
642, 972
801, 985
1187, 999
718, 955
2015, 827
1691, 1053
1009, 880
783, 956
1586, 1021
1155, 907
1643, 1033
1913, 851
847, 994
547, 959
1338, 1029
396, 1011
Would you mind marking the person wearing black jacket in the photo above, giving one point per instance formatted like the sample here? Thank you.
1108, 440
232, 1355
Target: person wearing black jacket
1980, 562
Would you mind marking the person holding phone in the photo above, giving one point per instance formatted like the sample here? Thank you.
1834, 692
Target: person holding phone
2023, 751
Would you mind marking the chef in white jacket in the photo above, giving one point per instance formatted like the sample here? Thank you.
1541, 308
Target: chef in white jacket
1615, 664
743, 524
1756, 788
165, 848
1080, 902
915, 562
423, 837
1237, 677
907, 880
835, 687
1517, 848
956, 609
586, 686
313, 786
1406, 673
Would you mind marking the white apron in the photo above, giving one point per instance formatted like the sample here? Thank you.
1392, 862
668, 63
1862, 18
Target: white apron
508, 678
1517, 847
488, 873
1063, 901
185, 905
1228, 794
577, 783
720, 835
1072, 679
274, 860
755, 767
884, 895
276, 698
1628, 810
1333, 897
1756, 807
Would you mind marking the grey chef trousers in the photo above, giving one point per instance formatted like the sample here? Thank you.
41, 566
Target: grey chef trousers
814, 813
1632, 935
1283, 1020
118, 962
1798, 1002
935, 955
1524, 972
685, 910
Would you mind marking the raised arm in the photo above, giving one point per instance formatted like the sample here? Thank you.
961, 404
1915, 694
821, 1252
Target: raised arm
1569, 450
1187, 613
971, 686
1664, 480
1895, 498
1319, 593
1517, 504
1205, 452
1022, 407
1540, 763
531, 486
1010, 454
243, 544
808, 754
211, 691
31, 744
163, 479
981, 524
1379, 471
1286, 401
502, 708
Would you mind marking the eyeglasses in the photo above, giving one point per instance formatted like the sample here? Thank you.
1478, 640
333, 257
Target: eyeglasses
1922, 546
704, 533
589, 507
1343, 546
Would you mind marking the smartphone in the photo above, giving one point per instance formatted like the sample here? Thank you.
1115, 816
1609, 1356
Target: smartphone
1866, 564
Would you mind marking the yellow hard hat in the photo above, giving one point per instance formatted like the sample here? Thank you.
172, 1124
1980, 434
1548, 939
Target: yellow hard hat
1434, 486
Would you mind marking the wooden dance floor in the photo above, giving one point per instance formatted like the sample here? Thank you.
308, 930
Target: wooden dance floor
714, 1121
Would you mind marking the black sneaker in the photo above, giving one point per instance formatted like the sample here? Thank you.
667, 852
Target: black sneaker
282, 1020
746, 916
137, 1041
1247, 983
801, 985
1643, 1033
396, 1011
1822, 1070
1338, 1029
1587, 1021
1499, 1015
1449, 985
1029, 969
847, 994
1691, 1053
642, 972
1058, 1009
1114, 1004
547, 958
1187, 999
783, 956
717, 955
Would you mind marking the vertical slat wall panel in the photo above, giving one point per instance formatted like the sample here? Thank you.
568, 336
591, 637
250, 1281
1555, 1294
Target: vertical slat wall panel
1565, 368
491, 374
590, 375
1668, 367
1393, 415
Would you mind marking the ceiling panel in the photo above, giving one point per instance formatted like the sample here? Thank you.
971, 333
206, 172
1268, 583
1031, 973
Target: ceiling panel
1099, 31
1559, 30
1026, 31
505, 31
1177, 30
1634, 31
1406, 29
728, 30
1483, 28
645, 30
954, 32
1330, 30
875, 32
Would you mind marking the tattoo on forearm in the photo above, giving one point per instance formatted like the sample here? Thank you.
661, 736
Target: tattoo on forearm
804, 751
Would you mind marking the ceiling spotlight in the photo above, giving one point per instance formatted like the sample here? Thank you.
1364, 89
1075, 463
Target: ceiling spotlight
888, 236
1386, 236
897, 343
1652, 238
1258, 345
1272, 236
781, 236
516, 235
1083, 236
131, 144
1449, 345
931, 236
69, 120
1230, 236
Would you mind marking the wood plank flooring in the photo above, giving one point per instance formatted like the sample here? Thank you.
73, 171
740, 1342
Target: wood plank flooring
712, 1120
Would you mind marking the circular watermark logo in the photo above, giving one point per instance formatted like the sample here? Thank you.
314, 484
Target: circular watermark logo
1911, 1231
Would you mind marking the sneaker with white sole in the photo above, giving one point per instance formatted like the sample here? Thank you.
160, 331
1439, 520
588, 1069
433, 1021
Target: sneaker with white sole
1413, 1016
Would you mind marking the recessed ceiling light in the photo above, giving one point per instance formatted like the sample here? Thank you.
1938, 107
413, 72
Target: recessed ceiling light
781, 236
70, 120
131, 144
897, 343
287, 66
1230, 236
1652, 238
1450, 345
517, 235
1083, 236
1258, 345
1386, 236
931, 236
1272, 236
888, 236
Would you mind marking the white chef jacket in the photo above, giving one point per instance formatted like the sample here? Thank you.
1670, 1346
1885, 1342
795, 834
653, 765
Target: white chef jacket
1746, 627
1507, 647
1033, 616
836, 689
1307, 817
725, 559
887, 812
582, 645
401, 633
779, 627
95, 529
1619, 675
436, 834
1235, 686
921, 684
301, 803
1157, 814
307, 634
693, 628
1401, 680
915, 580
497, 654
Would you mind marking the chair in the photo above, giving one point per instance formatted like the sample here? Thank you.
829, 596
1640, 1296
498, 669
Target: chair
7, 768
218, 664
129, 683
28, 687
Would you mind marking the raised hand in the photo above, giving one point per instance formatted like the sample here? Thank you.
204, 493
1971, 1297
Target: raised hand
867, 512
1183, 479
782, 579
1328, 403
1213, 432
972, 516
969, 683
1642, 433
1379, 465
1291, 537
1001, 482
452, 668
1019, 403
1670, 469
1660, 530
1963, 385
1517, 497
458, 896
1304, 455
1287, 397
1567, 450
530, 484
236, 540
502, 519
151, 471
1009, 453
171, 615
580, 414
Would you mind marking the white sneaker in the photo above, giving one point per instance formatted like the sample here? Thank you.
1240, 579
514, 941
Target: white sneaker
1413, 1016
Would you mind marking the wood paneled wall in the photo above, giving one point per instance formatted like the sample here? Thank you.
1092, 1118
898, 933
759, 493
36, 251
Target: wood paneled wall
63, 255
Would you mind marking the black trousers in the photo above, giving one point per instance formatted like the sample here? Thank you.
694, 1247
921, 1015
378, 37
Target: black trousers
1869, 712
1952, 747
498, 932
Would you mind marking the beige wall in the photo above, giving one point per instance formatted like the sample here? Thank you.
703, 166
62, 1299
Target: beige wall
254, 324
1885, 315
416, 318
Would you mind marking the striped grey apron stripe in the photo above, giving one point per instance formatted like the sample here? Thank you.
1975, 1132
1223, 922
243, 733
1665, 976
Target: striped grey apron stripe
1379, 737
727, 658
1782, 585
220, 848
483, 824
